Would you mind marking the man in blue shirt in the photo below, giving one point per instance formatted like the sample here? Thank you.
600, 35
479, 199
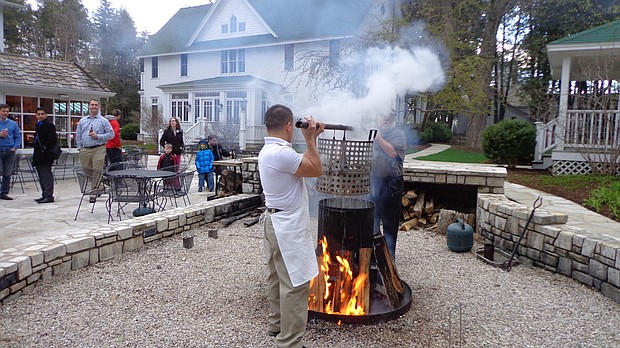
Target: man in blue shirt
10, 141
92, 133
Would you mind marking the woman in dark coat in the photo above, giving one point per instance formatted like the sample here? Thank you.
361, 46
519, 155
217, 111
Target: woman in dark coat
43, 158
173, 134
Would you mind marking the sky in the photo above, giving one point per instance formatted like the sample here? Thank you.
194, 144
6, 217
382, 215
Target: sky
148, 15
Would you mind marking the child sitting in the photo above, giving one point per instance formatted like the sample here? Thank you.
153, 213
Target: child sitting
168, 161
204, 165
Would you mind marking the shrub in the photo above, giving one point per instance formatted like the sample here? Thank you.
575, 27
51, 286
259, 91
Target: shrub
509, 142
130, 131
436, 133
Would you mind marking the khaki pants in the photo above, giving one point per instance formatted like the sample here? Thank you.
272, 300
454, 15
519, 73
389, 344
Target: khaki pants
92, 160
288, 305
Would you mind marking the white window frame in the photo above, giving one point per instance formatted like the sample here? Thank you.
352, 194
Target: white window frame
232, 61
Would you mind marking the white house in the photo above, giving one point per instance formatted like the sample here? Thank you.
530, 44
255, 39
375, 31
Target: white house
218, 67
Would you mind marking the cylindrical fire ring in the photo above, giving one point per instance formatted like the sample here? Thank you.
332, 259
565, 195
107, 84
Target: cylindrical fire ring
379, 312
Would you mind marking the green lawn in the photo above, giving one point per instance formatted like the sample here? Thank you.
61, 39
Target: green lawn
457, 156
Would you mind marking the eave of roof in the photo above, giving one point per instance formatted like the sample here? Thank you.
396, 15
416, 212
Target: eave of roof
12, 4
606, 33
222, 81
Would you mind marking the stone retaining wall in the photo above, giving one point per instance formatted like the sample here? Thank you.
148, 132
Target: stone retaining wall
591, 258
23, 266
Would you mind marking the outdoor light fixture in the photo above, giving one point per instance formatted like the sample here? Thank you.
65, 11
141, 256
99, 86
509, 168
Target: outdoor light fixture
64, 96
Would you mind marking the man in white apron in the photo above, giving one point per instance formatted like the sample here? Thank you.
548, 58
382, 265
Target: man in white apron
289, 245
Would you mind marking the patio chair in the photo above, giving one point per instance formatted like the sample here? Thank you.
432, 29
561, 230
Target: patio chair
65, 162
180, 189
125, 165
16, 174
92, 183
125, 189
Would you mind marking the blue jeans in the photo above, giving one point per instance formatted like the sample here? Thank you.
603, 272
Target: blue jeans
208, 177
7, 160
385, 193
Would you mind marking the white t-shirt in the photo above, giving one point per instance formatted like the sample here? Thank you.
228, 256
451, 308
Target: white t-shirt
277, 164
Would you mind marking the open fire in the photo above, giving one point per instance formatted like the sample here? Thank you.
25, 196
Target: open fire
357, 280
338, 291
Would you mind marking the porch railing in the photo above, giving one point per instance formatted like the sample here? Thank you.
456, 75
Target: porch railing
586, 129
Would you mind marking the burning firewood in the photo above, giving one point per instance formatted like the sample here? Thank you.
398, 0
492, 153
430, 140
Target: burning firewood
391, 280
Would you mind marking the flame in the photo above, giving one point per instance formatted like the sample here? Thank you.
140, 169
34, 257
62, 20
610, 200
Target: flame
351, 288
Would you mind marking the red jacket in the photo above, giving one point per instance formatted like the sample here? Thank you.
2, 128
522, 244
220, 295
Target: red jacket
114, 143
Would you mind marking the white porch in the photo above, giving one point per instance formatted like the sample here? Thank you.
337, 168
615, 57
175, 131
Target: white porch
587, 127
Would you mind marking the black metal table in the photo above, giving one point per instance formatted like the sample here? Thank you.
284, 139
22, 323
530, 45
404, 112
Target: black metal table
146, 180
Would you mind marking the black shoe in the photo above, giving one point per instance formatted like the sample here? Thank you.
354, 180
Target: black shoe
272, 334
92, 200
46, 200
39, 199
5, 197
200, 189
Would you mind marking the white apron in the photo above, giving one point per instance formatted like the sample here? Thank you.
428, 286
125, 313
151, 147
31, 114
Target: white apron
292, 228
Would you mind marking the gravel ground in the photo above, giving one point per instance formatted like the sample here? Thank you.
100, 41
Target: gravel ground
213, 295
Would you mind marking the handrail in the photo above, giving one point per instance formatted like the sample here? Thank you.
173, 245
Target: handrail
545, 138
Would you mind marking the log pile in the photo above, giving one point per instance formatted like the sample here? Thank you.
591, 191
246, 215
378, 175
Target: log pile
418, 210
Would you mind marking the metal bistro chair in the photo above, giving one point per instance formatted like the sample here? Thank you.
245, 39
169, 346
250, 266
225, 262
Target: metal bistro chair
178, 186
91, 184
16, 174
125, 165
128, 189
65, 162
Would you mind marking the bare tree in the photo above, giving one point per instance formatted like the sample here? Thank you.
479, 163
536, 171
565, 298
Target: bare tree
227, 134
152, 121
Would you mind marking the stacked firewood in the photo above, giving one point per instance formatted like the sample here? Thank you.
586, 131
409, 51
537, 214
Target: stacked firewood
418, 210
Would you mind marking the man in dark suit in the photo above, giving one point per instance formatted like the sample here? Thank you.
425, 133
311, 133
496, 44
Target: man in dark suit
43, 158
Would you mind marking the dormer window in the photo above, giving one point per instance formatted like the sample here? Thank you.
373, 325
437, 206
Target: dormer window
233, 26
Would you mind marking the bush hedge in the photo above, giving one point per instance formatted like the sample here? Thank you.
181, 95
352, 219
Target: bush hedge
509, 142
130, 131
436, 133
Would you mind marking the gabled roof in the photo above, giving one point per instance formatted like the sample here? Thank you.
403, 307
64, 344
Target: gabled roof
41, 73
593, 53
609, 32
175, 34
222, 81
290, 20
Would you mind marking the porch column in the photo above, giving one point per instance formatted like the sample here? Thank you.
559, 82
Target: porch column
563, 108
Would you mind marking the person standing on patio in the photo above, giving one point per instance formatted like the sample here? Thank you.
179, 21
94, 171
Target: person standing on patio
173, 134
113, 148
386, 179
42, 159
92, 133
289, 245
10, 141
204, 166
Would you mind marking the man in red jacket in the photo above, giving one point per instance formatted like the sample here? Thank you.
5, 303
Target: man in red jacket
113, 148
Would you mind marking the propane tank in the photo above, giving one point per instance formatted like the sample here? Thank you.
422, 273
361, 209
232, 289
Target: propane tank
460, 236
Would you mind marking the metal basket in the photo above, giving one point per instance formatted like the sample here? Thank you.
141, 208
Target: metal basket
346, 166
